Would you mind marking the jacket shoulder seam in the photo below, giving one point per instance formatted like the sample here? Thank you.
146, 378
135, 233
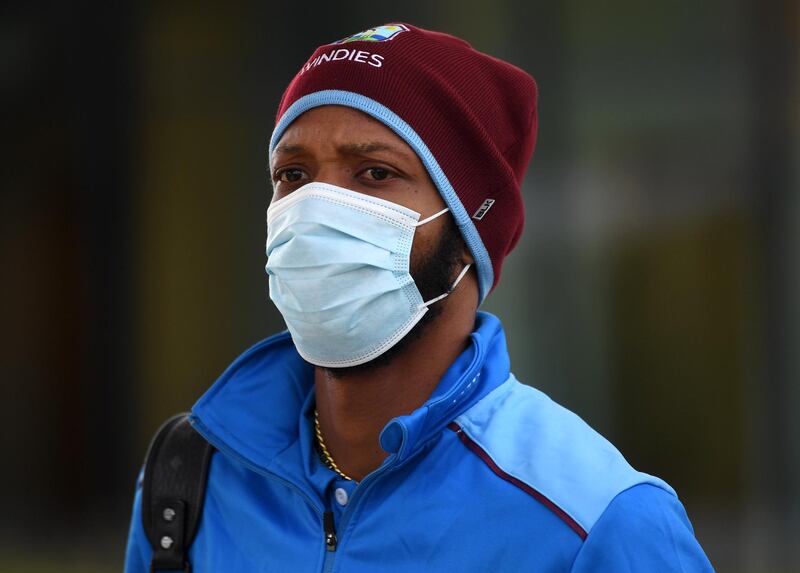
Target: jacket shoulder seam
528, 489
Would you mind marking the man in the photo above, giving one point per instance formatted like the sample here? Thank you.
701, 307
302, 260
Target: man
384, 431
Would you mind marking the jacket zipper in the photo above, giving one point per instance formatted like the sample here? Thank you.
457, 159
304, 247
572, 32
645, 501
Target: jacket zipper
329, 527
331, 541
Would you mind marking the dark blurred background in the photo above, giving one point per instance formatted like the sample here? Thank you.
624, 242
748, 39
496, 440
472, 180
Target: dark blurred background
656, 290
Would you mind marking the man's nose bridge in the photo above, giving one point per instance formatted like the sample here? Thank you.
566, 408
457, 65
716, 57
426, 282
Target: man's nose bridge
334, 172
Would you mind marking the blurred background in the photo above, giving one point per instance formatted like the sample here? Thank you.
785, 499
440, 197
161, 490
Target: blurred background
656, 290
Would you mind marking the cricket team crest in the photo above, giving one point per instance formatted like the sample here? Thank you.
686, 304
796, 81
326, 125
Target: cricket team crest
378, 34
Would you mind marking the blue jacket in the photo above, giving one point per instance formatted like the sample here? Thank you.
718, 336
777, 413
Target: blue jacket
487, 475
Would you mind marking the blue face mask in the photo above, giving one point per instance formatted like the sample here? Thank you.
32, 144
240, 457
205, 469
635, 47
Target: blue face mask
338, 266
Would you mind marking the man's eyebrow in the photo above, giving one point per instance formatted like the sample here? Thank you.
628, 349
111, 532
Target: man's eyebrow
369, 147
347, 148
289, 148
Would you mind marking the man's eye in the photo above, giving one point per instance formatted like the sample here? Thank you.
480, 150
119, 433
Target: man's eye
378, 173
290, 175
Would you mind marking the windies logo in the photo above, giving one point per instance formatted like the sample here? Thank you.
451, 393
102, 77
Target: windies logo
379, 34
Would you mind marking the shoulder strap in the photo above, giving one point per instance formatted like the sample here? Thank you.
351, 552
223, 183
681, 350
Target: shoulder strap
175, 473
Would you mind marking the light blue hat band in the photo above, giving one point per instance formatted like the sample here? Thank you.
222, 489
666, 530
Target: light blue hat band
483, 263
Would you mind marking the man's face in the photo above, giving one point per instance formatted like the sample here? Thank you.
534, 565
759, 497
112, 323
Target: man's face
345, 147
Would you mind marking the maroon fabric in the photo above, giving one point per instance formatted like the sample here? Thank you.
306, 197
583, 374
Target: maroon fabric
476, 113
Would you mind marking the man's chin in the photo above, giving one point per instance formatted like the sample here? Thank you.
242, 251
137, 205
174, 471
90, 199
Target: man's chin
389, 357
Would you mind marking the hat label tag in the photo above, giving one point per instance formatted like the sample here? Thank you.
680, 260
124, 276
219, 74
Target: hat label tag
483, 209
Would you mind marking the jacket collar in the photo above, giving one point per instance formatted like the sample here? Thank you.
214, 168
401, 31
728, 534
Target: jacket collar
259, 408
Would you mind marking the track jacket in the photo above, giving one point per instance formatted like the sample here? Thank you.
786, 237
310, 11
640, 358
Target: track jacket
489, 475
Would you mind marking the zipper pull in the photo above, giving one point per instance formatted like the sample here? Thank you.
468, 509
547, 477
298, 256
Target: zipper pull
330, 530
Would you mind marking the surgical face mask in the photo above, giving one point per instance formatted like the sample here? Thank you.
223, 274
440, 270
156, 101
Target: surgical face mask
339, 273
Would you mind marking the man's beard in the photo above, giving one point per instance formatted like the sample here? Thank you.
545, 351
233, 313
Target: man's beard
433, 276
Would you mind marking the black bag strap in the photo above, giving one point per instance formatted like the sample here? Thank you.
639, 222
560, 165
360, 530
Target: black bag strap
175, 474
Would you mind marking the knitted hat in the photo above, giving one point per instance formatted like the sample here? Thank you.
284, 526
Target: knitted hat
470, 117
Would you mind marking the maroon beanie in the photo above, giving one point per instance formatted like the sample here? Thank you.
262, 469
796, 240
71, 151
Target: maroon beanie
470, 117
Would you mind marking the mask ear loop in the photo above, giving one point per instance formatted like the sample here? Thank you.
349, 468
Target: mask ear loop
432, 217
452, 288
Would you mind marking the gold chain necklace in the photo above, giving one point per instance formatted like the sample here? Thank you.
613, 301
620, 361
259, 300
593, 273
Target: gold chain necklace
326, 455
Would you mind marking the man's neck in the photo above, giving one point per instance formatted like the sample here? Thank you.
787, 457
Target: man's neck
355, 406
